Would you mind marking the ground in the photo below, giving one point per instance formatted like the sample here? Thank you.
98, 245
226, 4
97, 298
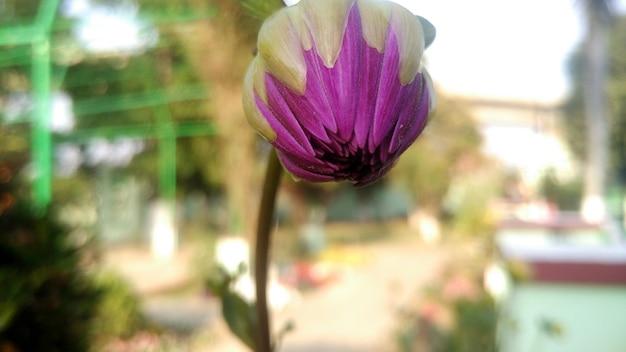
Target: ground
355, 311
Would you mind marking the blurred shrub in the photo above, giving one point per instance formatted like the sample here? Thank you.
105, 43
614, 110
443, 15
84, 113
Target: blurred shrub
47, 303
565, 194
467, 206
457, 315
475, 328
118, 312
449, 146
378, 202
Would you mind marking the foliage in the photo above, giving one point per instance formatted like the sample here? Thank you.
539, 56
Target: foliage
203, 44
118, 312
261, 9
239, 314
574, 122
427, 168
468, 202
476, 326
50, 300
220, 52
14, 142
96, 82
209, 42
617, 96
377, 202
47, 302
451, 323
161, 67
15, 12
565, 194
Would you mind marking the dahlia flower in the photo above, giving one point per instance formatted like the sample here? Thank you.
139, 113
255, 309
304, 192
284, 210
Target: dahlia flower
338, 88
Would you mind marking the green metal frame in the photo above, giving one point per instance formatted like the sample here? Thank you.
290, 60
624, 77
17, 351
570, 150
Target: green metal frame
33, 41
37, 36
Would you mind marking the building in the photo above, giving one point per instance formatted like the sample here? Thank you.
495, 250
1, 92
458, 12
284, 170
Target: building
560, 285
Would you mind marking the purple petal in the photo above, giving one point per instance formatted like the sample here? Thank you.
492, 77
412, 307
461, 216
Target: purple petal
413, 121
389, 96
354, 119
313, 113
409, 115
309, 174
343, 80
371, 66
290, 137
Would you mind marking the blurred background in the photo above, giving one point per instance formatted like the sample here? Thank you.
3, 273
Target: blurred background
128, 175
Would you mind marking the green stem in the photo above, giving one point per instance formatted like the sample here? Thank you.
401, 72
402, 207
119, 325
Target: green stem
261, 260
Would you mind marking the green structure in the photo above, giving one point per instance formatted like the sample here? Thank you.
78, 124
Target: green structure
29, 43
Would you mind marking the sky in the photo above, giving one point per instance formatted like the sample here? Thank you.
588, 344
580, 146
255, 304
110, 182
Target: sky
515, 49
104, 28
510, 50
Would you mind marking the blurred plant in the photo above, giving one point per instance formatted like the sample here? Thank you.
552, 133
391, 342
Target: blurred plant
464, 321
18, 11
598, 16
468, 204
14, 141
47, 302
239, 314
475, 325
261, 9
520, 271
431, 164
97, 84
220, 52
565, 194
595, 112
118, 314
51, 298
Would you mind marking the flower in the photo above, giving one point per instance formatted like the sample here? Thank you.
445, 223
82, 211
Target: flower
337, 87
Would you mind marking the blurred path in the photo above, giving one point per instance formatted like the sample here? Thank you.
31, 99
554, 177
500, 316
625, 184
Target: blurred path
357, 313
354, 313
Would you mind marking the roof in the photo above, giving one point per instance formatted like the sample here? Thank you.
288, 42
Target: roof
565, 250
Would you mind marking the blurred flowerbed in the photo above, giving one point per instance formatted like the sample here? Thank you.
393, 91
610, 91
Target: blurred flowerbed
455, 314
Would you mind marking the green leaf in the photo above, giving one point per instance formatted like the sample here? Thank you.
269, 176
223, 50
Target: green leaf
261, 9
218, 280
429, 30
288, 327
7, 311
240, 317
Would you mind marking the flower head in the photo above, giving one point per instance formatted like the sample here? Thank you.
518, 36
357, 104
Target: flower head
338, 87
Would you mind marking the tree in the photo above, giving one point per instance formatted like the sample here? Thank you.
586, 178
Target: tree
617, 97
598, 17
221, 51
615, 90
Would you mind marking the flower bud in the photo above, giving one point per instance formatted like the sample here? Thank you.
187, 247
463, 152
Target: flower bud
338, 87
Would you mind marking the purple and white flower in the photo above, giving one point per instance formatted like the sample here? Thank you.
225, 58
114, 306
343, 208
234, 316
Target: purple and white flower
338, 87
